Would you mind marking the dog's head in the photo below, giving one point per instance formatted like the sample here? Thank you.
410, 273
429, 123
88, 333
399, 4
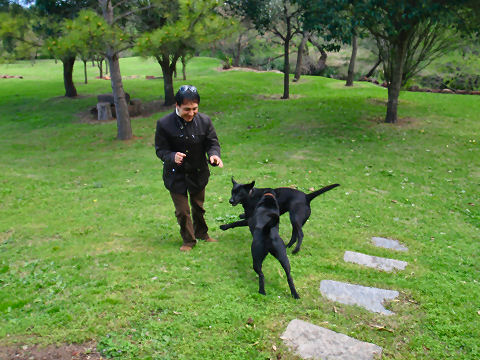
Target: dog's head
240, 192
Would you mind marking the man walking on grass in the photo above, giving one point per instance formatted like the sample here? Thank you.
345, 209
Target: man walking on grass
183, 141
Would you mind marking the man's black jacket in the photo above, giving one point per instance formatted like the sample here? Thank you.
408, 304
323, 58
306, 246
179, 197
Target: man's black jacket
195, 139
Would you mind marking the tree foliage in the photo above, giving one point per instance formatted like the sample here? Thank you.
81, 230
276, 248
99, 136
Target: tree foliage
179, 33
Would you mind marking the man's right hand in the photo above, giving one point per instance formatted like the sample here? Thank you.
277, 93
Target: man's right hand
179, 158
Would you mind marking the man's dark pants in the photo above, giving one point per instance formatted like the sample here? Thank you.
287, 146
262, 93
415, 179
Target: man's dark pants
188, 230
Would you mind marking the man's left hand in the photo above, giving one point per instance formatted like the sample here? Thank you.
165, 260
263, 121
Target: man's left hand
216, 161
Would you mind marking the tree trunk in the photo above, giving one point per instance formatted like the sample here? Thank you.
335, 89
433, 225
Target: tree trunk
236, 54
351, 66
167, 71
301, 47
286, 62
397, 59
70, 90
85, 71
286, 71
184, 68
100, 67
322, 62
124, 127
370, 73
106, 67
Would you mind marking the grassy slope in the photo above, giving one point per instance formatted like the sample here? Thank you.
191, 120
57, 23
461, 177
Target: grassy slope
89, 242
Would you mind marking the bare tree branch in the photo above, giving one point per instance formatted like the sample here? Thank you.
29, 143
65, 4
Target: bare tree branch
128, 13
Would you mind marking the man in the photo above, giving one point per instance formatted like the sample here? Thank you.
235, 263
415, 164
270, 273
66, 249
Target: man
182, 139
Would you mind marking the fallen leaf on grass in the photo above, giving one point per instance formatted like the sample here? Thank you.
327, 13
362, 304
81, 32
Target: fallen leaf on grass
274, 348
177, 313
380, 327
394, 201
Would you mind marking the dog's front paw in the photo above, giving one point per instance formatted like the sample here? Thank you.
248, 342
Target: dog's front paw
242, 216
224, 227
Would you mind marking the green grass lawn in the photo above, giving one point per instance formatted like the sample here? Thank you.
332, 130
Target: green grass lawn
89, 245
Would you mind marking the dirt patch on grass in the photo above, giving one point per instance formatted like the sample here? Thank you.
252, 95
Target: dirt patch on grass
277, 97
401, 122
233, 68
87, 351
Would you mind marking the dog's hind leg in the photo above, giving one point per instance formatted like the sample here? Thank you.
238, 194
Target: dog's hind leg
281, 255
258, 255
299, 239
298, 217
293, 239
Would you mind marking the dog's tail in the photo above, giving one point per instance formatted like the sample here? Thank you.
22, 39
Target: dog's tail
314, 194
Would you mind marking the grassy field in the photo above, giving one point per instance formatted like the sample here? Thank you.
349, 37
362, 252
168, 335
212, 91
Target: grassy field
89, 245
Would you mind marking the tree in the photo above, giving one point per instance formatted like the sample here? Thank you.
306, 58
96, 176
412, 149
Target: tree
329, 24
188, 26
18, 39
50, 24
113, 47
280, 17
399, 26
300, 51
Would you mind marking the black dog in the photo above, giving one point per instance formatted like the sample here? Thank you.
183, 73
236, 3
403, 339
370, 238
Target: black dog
296, 202
263, 225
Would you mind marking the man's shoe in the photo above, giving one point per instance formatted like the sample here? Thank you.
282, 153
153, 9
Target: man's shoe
209, 239
186, 248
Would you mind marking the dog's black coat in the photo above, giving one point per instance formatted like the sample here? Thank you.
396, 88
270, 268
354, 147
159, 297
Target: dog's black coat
296, 202
263, 225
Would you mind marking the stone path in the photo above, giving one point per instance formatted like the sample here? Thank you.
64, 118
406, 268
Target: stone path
367, 297
374, 261
388, 244
310, 341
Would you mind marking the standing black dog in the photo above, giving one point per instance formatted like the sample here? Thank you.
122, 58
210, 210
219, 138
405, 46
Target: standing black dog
296, 202
263, 225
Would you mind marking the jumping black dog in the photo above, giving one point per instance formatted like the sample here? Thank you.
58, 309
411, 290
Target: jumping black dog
263, 225
296, 202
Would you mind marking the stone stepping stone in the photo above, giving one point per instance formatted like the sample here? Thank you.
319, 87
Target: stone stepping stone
374, 261
314, 342
388, 244
367, 297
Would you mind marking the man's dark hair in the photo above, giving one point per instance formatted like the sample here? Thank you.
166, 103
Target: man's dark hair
187, 93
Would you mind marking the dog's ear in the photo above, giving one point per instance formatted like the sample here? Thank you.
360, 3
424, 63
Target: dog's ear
233, 181
251, 185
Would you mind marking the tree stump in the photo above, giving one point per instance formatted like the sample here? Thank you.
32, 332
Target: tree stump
104, 111
135, 107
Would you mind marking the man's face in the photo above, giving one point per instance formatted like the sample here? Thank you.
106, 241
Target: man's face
188, 110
